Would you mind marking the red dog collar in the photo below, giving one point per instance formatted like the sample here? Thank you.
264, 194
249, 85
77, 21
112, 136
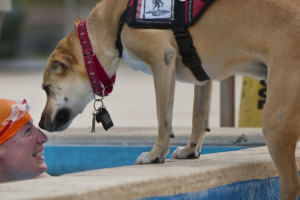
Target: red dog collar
102, 85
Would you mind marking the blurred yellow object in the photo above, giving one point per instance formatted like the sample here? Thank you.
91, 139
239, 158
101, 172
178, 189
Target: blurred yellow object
253, 99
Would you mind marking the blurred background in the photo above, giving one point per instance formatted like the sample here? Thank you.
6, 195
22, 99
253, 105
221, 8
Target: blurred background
32, 28
30, 32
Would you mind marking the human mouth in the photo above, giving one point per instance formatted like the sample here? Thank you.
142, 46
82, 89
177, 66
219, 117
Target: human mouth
38, 154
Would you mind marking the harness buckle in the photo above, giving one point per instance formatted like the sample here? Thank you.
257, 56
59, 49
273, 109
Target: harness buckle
185, 44
192, 61
189, 54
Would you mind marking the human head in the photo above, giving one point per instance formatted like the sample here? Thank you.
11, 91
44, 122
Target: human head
21, 143
13, 116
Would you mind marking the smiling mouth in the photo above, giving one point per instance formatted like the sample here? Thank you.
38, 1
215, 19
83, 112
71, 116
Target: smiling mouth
38, 154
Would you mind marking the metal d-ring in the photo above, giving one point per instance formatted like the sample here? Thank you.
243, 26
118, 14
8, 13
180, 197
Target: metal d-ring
97, 100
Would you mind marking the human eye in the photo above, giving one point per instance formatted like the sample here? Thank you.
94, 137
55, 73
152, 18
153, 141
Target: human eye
27, 131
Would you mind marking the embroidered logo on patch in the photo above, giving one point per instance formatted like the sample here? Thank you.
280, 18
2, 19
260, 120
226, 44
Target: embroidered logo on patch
155, 9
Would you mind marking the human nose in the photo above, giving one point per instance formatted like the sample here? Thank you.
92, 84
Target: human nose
41, 137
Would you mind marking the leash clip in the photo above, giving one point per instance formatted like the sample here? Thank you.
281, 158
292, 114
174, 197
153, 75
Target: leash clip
99, 100
95, 110
101, 115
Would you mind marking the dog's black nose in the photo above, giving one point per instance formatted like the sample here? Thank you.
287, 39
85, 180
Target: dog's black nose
62, 117
41, 123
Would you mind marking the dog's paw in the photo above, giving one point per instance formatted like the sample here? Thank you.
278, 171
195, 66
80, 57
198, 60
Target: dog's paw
185, 153
146, 158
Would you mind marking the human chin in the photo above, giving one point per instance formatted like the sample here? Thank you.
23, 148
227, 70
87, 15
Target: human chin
39, 160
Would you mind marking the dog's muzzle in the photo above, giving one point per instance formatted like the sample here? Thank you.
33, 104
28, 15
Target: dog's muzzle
61, 121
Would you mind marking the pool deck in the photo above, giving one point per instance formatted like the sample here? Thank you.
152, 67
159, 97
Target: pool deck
147, 136
140, 181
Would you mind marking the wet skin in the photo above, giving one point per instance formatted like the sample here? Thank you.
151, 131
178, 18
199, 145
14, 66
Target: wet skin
20, 156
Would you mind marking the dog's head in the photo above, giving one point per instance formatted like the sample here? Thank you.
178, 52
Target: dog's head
66, 85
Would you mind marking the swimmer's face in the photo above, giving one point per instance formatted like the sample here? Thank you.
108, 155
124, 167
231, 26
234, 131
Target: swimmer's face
21, 154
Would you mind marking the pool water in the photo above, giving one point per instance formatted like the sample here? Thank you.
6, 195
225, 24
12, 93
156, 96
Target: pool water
70, 158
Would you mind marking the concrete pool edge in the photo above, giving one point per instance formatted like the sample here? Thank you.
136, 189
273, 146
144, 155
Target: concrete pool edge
147, 136
140, 181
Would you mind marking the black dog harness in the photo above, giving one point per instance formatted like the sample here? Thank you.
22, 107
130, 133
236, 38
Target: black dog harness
177, 15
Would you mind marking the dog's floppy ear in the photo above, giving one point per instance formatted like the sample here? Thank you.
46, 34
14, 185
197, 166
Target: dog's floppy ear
77, 21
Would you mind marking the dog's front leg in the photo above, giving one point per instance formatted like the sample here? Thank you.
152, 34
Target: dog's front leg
164, 82
201, 107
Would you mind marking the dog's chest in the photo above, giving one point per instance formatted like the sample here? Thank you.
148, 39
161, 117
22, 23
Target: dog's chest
136, 63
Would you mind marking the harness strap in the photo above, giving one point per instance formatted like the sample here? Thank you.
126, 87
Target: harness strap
190, 58
187, 50
119, 45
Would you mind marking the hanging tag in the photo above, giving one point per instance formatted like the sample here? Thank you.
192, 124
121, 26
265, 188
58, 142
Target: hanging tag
103, 116
93, 123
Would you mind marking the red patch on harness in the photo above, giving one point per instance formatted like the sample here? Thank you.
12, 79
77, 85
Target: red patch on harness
155, 13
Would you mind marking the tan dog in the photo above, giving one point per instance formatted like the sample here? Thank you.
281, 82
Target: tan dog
258, 37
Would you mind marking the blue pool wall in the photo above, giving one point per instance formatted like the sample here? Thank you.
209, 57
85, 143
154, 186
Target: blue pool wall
265, 189
258, 189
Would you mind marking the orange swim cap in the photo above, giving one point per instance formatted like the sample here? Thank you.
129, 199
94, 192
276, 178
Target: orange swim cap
13, 116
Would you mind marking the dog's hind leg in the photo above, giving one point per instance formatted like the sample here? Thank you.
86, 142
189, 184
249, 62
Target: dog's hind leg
281, 125
163, 70
202, 95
